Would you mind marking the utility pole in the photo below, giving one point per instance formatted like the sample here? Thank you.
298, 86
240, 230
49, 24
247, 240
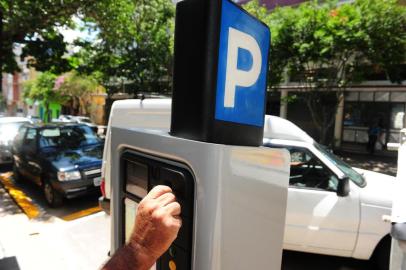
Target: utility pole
398, 218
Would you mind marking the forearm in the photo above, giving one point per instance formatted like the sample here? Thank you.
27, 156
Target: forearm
129, 258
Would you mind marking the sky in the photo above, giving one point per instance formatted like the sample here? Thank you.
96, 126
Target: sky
71, 34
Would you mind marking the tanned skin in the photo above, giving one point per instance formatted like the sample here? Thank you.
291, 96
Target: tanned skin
157, 224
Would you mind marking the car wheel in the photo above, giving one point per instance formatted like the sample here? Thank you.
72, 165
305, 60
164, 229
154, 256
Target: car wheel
381, 256
16, 174
53, 197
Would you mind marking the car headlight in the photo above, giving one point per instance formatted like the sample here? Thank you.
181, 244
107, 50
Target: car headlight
67, 176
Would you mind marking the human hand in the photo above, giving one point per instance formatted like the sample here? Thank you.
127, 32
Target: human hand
157, 223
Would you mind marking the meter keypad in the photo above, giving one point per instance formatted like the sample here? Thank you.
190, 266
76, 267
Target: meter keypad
142, 173
177, 182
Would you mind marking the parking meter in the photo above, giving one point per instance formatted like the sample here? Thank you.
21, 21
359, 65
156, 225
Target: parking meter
233, 198
232, 191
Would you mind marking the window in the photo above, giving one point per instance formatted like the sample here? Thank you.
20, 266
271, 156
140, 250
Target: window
397, 116
31, 139
307, 171
19, 137
68, 137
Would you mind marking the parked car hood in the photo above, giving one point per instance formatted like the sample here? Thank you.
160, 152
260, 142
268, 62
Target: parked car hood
76, 158
379, 189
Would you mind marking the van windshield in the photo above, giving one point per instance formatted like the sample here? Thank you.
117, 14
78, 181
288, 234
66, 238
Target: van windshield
356, 177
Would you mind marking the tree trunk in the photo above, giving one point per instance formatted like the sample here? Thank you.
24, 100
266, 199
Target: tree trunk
1, 51
46, 113
323, 108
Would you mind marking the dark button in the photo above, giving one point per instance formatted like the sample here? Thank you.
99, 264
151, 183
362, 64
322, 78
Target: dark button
182, 185
185, 234
181, 259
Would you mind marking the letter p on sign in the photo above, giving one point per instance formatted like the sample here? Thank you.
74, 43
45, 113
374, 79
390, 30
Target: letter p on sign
237, 77
242, 67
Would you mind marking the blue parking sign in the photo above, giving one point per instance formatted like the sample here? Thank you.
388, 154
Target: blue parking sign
242, 67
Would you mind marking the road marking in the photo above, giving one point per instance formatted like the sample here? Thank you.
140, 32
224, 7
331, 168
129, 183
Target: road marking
22, 200
82, 213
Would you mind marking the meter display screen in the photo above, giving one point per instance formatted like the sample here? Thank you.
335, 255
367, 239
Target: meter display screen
137, 179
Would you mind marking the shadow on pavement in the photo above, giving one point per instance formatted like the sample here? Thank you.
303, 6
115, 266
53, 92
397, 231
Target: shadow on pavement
292, 260
7, 205
71, 208
380, 164
9, 263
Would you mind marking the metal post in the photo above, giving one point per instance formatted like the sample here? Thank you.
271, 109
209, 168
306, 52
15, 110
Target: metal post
398, 250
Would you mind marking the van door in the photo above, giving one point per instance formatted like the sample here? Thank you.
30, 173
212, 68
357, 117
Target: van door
317, 219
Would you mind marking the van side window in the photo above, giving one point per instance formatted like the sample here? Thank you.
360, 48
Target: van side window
307, 171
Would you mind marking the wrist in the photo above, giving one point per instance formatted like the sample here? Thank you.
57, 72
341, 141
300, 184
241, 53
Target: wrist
144, 258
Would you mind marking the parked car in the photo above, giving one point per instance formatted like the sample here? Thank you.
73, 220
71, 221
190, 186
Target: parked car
332, 209
63, 118
85, 120
8, 130
64, 159
76, 119
34, 119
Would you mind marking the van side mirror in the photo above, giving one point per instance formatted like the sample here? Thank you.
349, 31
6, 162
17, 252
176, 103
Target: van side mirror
343, 188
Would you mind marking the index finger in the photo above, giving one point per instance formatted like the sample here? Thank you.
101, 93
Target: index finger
158, 191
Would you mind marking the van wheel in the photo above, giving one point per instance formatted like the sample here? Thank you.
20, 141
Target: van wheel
53, 197
16, 174
381, 256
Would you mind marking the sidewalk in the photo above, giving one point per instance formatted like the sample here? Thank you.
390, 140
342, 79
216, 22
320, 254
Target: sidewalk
52, 244
381, 164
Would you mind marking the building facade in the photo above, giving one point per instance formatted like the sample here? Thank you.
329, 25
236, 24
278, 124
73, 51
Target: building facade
12, 86
362, 106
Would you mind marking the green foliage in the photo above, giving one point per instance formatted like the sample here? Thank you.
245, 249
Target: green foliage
73, 84
316, 36
133, 38
139, 52
26, 22
320, 45
43, 89
77, 88
47, 53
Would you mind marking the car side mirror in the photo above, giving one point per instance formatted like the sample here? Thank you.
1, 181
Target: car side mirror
343, 188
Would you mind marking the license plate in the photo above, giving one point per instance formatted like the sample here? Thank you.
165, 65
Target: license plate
97, 181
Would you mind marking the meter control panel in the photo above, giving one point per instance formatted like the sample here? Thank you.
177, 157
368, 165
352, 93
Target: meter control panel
139, 174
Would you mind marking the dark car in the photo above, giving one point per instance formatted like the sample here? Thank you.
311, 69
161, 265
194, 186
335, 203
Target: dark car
64, 159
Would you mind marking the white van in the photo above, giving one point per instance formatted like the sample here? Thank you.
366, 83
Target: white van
153, 114
333, 209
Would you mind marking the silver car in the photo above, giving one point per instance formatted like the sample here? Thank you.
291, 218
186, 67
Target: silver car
8, 130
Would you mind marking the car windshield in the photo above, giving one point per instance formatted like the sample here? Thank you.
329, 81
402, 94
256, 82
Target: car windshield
67, 137
344, 167
9, 130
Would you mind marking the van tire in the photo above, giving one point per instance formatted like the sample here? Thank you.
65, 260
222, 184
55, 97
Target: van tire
381, 256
